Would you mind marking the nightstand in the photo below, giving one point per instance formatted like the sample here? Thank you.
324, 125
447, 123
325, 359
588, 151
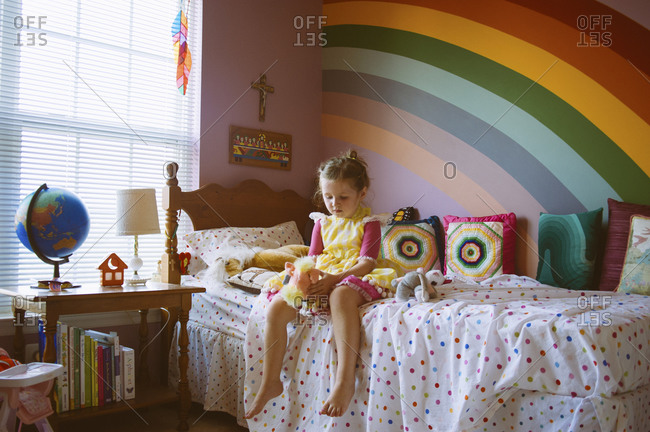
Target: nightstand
95, 299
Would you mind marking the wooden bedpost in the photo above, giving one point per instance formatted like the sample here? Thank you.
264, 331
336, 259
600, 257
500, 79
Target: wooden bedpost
170, 271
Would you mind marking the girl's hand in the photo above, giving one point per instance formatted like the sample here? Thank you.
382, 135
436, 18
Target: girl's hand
324, 285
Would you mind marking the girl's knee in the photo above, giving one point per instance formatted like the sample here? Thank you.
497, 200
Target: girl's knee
343, 295
279, 310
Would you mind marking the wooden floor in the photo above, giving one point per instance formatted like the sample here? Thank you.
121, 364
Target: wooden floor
163, 418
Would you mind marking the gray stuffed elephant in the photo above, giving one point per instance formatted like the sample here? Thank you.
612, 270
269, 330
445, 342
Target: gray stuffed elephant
418, 284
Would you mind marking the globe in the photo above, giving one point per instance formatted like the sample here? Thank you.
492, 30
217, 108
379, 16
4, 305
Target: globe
52, 223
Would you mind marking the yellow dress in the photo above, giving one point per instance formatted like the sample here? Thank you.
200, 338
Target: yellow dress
342, 241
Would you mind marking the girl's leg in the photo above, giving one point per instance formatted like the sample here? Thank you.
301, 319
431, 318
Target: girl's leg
344, 306
275, 344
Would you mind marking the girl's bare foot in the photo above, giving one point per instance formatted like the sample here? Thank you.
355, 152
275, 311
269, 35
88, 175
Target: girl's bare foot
337, 404
265, 394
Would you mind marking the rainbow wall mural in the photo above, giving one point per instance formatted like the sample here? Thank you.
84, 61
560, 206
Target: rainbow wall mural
499, 106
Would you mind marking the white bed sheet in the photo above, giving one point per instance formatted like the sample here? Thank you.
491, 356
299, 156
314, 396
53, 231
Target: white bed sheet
222, 307
479, 358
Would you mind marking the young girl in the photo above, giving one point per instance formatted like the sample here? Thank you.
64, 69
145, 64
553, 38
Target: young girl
345, 247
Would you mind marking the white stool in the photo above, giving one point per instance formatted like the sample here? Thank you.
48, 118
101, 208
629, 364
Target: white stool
25, 390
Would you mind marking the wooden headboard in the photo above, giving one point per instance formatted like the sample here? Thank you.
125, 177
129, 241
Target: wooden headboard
250, 204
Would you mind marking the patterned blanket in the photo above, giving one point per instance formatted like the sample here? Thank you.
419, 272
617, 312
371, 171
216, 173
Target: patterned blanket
506, 354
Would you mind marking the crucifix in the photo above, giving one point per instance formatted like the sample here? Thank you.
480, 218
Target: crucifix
263, 89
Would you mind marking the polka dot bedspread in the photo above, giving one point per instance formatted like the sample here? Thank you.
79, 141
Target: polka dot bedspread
216, 367
506, 354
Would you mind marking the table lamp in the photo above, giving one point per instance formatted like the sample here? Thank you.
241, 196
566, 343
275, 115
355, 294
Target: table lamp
137, 213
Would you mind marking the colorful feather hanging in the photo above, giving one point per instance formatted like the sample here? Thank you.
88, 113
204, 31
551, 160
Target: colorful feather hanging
181, 50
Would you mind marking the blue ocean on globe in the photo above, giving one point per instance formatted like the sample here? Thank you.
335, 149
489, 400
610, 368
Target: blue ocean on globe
59, 222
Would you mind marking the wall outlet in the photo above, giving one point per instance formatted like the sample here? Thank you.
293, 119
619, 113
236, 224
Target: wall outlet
31, 353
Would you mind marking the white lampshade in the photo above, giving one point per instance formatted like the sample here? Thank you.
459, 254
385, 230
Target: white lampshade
137, 212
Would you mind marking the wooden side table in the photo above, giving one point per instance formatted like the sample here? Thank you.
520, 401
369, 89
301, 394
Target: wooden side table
96, 299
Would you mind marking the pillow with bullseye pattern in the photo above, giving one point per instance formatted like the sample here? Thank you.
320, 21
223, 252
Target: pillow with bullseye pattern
475, 250
413, 244
478, 248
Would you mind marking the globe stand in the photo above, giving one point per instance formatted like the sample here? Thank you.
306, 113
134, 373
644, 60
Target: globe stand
55, 283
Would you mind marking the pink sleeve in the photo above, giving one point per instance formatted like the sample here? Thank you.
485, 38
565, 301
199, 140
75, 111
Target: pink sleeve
316, 245
371, 242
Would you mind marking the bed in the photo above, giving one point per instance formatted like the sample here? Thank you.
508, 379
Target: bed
503, 353
218, 319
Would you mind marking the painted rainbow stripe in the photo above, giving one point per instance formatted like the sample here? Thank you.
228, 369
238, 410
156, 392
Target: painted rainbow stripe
533, 121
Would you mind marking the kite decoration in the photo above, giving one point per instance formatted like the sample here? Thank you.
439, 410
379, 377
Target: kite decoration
181, 50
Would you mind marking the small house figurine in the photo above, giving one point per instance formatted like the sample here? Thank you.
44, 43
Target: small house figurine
112, 270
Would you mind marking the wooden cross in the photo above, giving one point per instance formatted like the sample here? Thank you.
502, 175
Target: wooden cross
263, 89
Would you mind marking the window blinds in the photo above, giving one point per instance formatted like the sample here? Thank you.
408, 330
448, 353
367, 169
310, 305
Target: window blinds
89, 103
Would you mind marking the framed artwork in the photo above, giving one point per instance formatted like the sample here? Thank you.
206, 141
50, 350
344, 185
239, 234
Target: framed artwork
255, 147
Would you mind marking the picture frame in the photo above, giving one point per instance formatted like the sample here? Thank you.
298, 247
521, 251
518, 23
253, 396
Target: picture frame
256, 147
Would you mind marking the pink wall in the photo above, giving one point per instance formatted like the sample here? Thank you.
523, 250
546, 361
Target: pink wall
241, 40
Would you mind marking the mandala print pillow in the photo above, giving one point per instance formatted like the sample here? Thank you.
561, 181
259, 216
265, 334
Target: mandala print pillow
474, 249
509, 221
412, 245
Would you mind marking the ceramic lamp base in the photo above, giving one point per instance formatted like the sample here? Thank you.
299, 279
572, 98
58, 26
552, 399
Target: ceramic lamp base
136, 281
135, 264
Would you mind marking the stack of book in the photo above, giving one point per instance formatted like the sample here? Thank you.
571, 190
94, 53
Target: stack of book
98, 370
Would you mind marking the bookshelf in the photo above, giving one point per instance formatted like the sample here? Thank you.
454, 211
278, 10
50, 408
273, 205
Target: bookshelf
146, 396
97, 299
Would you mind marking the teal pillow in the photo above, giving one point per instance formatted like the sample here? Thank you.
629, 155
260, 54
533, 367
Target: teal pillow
568, 247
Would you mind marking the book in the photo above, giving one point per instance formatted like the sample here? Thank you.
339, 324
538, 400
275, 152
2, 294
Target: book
100, 375
88, 371
107, 363
82, 369
117, 374
62, 359
95, 374
128, 372
42, 341
57, 393
71, 374
107, 338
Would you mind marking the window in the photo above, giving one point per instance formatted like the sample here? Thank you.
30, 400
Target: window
88, 103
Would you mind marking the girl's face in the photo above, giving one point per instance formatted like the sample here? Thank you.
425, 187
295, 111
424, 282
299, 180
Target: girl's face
340, 198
